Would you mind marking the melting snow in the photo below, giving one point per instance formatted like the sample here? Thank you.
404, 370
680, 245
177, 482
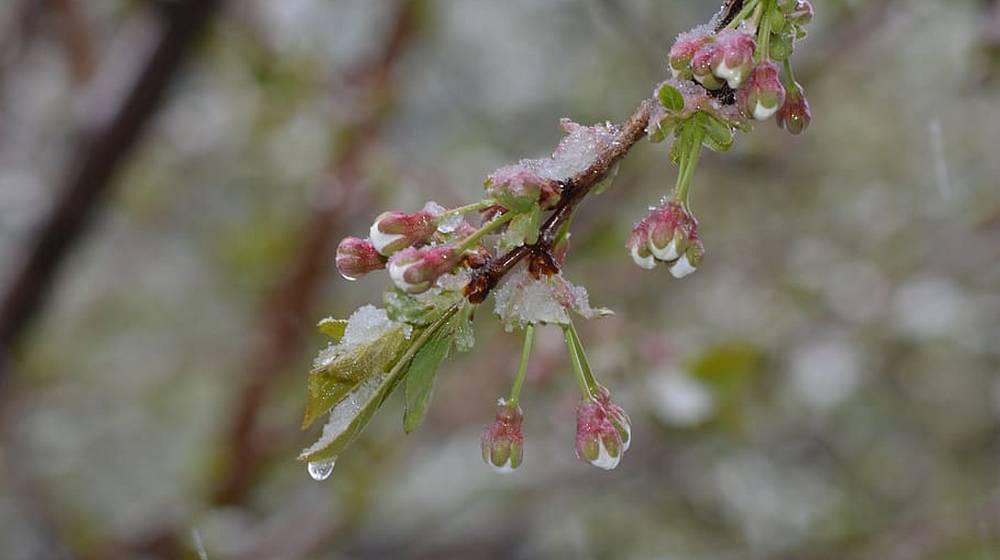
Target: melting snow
523, 300
366, 324
342, 414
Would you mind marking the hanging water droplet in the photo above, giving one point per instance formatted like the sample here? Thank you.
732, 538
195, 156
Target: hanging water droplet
450, 223
321, 470
347, 277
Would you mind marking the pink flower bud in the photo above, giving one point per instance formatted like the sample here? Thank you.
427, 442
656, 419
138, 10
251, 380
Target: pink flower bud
598, 442
734, 57
356, 257
415, 270
638, 246
764, 93
703, 62
616, 415
794, 115
669, 226
688, 262
503, 441
684, 49
517, 186
393, 231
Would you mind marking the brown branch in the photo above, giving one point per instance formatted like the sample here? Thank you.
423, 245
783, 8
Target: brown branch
104, 142
291, 301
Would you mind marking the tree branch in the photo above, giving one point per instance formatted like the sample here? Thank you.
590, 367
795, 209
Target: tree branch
105, 139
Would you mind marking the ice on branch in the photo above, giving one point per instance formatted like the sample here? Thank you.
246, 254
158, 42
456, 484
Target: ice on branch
523, 300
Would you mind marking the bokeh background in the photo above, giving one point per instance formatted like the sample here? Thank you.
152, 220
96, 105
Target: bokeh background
827, 386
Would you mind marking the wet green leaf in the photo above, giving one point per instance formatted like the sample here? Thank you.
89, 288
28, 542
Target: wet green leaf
333, 328
421, 373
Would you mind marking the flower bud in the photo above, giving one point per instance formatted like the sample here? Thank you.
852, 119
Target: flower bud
669, 227
764, 93
598, 442
734, 58
702, 63
518, 187
794, 115
503, 441
356, 257
683, 50
638, 246
393, 231
616, 415
415, 270
691, 259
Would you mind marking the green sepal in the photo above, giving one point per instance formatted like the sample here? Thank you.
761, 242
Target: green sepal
333, 328
670, 97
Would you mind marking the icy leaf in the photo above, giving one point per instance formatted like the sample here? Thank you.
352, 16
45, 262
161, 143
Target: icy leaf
419, 309
523, 229
465, 336
333, 328
718, 135
524, 300
421, 373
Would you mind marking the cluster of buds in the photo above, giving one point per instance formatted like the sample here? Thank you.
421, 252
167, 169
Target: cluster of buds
726, 58
668, 234
503, 440
603, 431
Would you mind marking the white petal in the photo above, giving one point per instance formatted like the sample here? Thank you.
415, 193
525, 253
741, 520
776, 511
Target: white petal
762, 113
667, 253
396, 272
682, 267
382, 240
647, 262
505, 468
604, 459
733, 76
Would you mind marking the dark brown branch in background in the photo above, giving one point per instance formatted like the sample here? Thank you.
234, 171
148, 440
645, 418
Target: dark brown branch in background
284, 313
104, 141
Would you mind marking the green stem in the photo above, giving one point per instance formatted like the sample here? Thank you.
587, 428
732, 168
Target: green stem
748, 8
522, 367
487, 229
467, 209
574, 358
788, 78
764, 33
588, 373
692, 136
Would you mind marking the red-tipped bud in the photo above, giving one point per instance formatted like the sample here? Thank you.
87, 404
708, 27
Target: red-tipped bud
638, 246
393, 231
764, 94
703, 62
616, 415
734, 57
517, 186
415, 270
669, 227
598, 442
503, 441
794, 115
356, 257
683, 50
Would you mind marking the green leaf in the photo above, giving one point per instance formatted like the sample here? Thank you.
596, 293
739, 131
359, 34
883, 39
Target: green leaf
531, 226
421, 373
718, 135
332, 382
671, 98
420, 310
682, 141
333, 328
523, 228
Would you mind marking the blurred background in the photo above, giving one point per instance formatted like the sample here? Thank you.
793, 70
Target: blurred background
827, 386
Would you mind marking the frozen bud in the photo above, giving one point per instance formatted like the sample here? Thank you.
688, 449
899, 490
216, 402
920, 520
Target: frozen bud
356, 257
802, 13
503, 441
517, 187
638, 246
763, 94
690, 260
393, 231
616, 415
702, 63
683, 50
415, 270
734, 57
794, 115
597, 440
669, 227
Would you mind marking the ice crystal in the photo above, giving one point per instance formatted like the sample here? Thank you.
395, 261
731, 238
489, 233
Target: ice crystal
523, 300
365, 325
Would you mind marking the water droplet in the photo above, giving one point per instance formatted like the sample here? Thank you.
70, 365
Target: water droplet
347, 277
321, 470
450, 223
